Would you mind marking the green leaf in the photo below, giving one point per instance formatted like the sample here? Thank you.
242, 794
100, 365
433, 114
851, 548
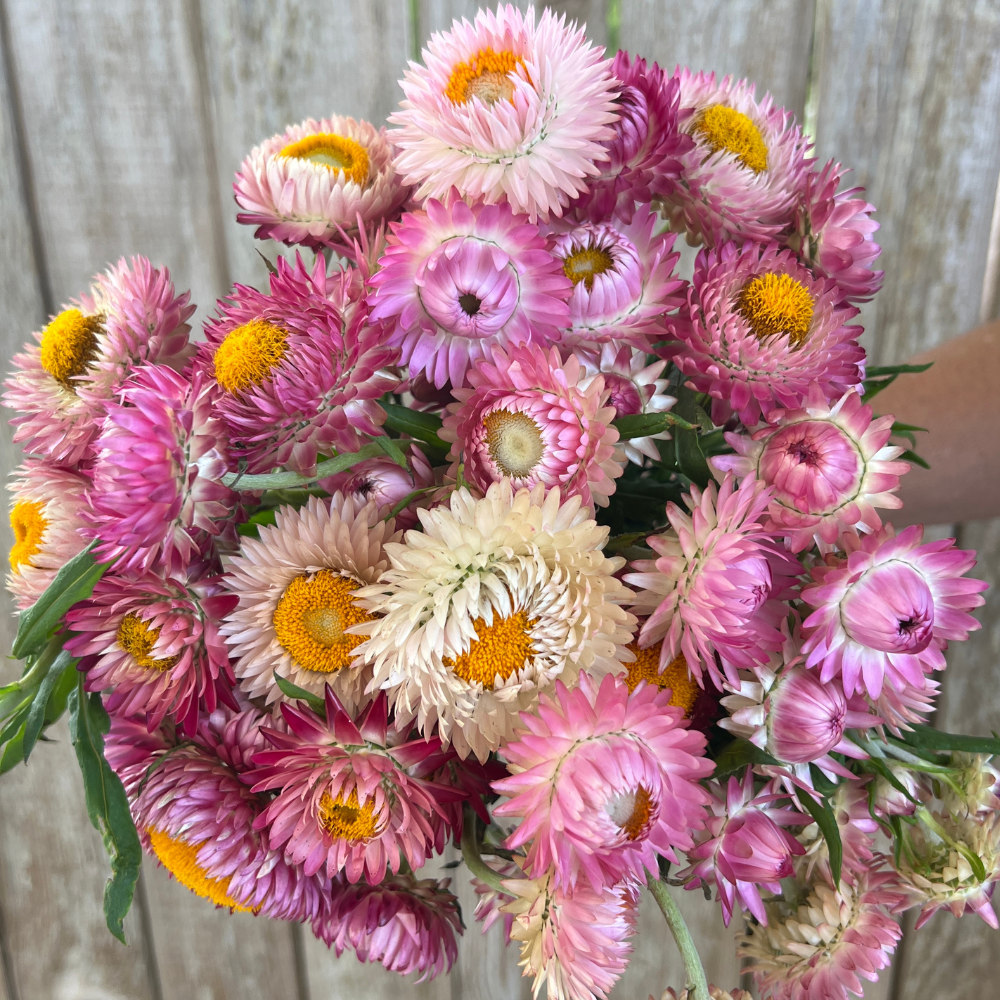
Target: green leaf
644, 424
912, 456
14, 726
107, 804
74, 582
37, 715
252, 525
421, 426
827, 823
389, 446
271, 268
877, 379
925, 738
687, 448
736, 757
13, 753
286, 480
290, 690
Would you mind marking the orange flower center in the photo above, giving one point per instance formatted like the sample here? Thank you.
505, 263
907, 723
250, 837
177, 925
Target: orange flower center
138, 639
584, 264
248, 355
69, 344
29, 524
726, 128
676, 676
346, 819
334, 152
775, 304
631, 813
181, 860
498, 650
487, 75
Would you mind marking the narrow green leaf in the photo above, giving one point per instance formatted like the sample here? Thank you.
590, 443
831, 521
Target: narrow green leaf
15, 724
107, 804
12, 753
618, 542
251, 527
407, 500
736, 757
36, 716
643, 424
880, 372
827, 823
925, 738
290, 690
421, 426
687, 448
899, 427
911, 456
74, 582
58, 699
270, 267
287, 480
389, 446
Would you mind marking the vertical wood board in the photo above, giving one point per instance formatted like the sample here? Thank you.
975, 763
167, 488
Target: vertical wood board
437, 15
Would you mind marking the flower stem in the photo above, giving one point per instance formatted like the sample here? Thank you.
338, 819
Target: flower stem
470, 853
696, 983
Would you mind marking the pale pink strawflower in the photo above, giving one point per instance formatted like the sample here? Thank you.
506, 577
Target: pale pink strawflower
742, 176
759, 329
299, 370
345, 800
130, 315
314, 182
711, 587
527, 418
457, 280
507, 110
829, 467
856, 826
152, 644
405, 923
46, 504
886, 611
157, 494
833, 233
603, 781
744, 846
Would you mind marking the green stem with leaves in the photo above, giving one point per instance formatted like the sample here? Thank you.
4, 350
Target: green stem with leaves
471, 856
694, 973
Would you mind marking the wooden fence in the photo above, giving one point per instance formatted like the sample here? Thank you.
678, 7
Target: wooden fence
121, 125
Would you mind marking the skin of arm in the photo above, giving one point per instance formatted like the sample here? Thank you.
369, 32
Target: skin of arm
958, 401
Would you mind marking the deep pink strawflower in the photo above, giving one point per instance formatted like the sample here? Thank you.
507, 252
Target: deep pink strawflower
130, 748
603, 781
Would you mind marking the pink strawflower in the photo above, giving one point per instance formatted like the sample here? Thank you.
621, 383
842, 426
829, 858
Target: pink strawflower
760, 328
345, 800
153, 645
645, 154
829, 467
856, 826
299, 374
130, 748
623, 280
489, 900
506, 110
158, 495
744, 846
603, 781
527, 418
312, 182
887, 610
456, 281
833, 233
711, 587
407, 924
742, 176
130, 315
46, 504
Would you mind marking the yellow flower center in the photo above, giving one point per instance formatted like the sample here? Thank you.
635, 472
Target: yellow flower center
582, 265
776, 304
731, 130
69, 344
138, 639
334, 152
248, 355
486, 76
348, 820
514, 442
29, 524
676, 676
635, 822
181, 860
498, 650
311, 619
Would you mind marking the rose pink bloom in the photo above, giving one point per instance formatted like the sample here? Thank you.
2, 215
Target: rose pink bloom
833, 233
603, 781
745, 846
759, 329
829, 467
887, 610
130, 748
527, 418
158, 494
457, 280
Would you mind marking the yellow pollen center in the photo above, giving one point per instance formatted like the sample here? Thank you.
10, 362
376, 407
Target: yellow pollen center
583, 265
498, 650
334, 152
775, 304
29, 524
514, 442
676, 676
348, 820
69, 344
731, 130
181, 860
138, 639
635, 824
248, 355
486, 76
311, 619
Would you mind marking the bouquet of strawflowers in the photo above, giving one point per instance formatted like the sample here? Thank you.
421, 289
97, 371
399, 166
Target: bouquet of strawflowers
482, 525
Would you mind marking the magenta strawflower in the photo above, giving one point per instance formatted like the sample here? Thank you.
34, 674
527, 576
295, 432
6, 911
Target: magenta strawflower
829, 467
507, 110
300, 370
603, 781
157, 495
887, 610
623, 280
527, 419
742, 176
457, 280
130, 748
759, 329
